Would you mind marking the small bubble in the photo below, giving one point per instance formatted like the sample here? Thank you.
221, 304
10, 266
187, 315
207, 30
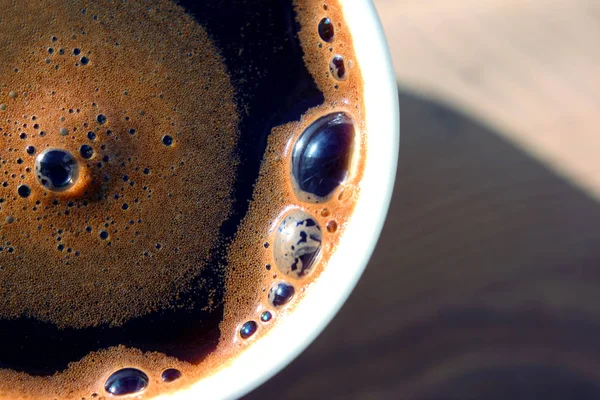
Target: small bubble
248, 329
332, 226
24, 191
54, 38
125, 206
12, 94
132, 131
326, 30
167, 140
60, 247
103, 235
76, 51
338, 68
23, 135
266, 316
63, 131
86, 151
146, 171
61, 51
101, 118
280, 294
170, 375
30, 150
84, 61
2, 107
91, 135
10, 219
50, 50
126, 381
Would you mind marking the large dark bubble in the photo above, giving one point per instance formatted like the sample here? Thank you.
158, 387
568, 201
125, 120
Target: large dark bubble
56, 169
322, 155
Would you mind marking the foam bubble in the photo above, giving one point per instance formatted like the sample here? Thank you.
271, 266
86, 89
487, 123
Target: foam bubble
280, 294
337, 67
126, 381
326, 30
266, 316
322, 156
297, 243
56, 170
170, 375
248, 329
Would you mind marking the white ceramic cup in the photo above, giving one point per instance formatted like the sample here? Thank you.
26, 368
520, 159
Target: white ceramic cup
272, 352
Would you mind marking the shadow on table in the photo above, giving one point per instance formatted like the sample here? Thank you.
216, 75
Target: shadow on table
484, 283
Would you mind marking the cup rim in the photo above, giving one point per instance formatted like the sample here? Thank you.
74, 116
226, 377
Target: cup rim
273, 351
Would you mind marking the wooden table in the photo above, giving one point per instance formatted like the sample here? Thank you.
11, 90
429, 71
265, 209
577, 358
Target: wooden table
486, 280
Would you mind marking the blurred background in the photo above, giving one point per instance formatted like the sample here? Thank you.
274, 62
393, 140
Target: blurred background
485, 283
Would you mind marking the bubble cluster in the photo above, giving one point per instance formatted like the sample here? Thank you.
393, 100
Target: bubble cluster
309, 164
78, 239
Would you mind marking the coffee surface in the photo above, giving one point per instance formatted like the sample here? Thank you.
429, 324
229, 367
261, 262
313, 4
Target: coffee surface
173, 177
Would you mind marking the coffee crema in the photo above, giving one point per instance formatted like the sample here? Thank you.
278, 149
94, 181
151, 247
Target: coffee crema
174, 176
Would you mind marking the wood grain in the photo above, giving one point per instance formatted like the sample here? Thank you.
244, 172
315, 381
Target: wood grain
485, 283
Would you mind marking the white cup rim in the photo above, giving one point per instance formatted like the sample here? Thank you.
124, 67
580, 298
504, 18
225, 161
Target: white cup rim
272, 352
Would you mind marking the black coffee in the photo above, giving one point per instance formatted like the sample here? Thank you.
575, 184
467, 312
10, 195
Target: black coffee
148, 147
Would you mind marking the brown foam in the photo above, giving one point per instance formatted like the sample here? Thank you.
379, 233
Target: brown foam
94, 281
274, 192
80, 291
